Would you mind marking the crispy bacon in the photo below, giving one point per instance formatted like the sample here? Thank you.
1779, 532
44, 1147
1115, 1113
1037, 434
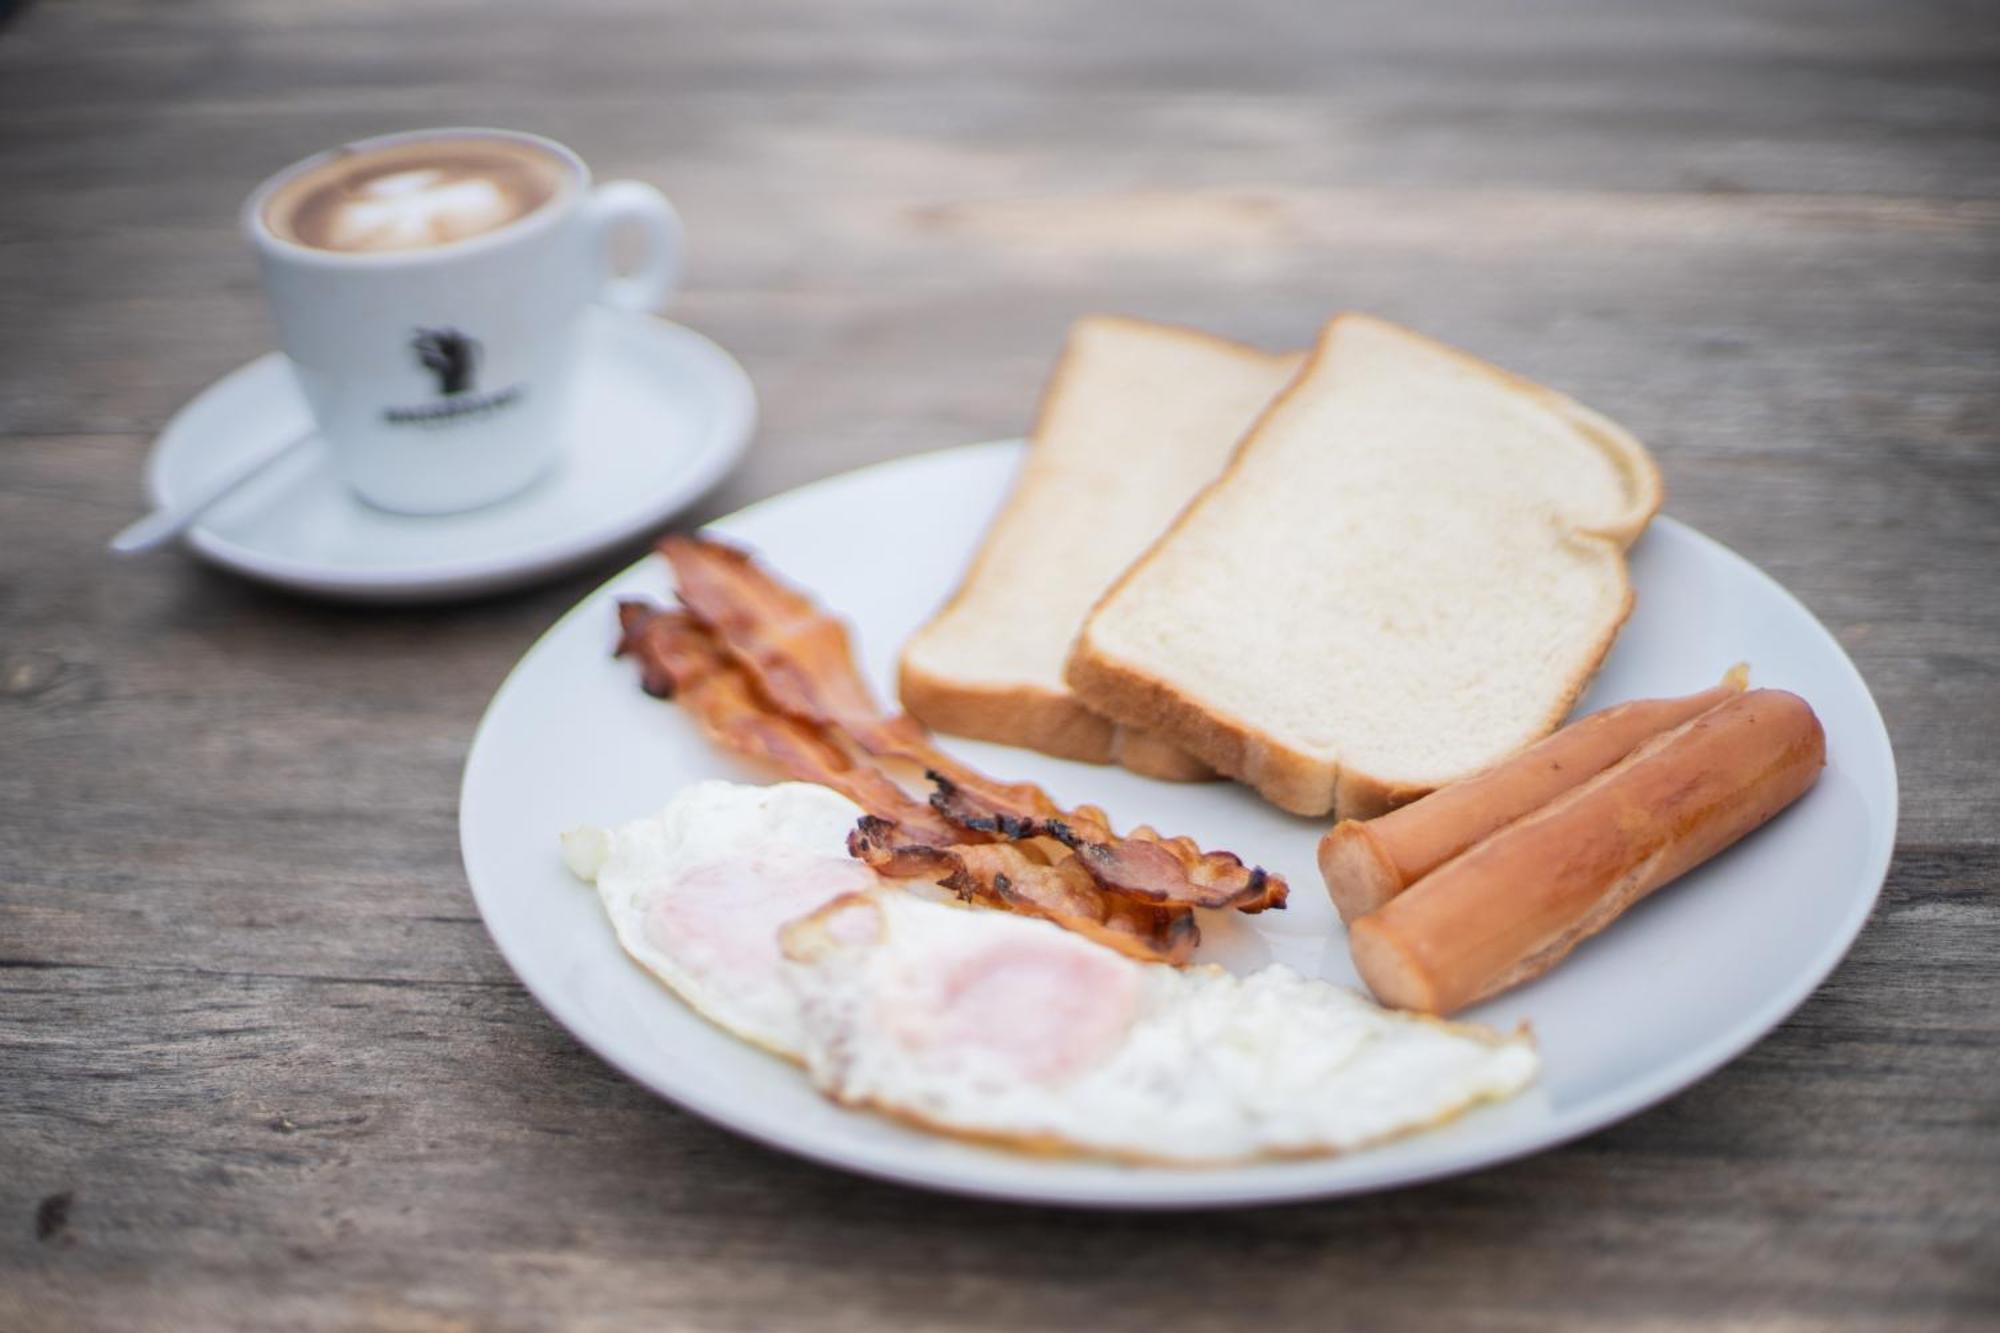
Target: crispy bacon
797, 653
1142, 864
900, 836
801, 659
680, 660
1010, 876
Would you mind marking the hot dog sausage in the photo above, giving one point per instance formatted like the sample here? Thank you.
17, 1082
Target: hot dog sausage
1367, 862
1513, 905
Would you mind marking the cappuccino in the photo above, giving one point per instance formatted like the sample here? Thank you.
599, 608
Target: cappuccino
414, 195
429, 291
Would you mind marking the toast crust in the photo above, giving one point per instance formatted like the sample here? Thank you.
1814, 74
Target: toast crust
1051, 721
1289, 778
1150, 756
1042, 720
1012, 715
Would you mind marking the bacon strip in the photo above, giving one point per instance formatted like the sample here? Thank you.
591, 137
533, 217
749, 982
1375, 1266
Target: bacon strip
797, 653
902, 837
1142, 864
802, 660
1005, 875
680, 660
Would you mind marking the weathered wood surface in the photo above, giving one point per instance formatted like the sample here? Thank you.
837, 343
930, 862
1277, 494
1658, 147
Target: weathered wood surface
259, 1065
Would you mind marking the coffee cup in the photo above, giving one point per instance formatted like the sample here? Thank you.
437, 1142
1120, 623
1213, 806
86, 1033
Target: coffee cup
429, 289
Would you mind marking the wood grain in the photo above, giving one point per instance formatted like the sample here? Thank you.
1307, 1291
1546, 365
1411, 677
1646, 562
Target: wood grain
260, 1066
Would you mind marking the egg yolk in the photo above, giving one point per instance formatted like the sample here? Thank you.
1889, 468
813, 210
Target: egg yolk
724, 917
1042, 1014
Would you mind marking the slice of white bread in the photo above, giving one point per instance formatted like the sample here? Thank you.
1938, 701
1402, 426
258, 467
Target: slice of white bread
1410, 569
1136, 419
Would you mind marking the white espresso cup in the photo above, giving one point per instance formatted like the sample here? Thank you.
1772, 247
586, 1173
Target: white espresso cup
429, 289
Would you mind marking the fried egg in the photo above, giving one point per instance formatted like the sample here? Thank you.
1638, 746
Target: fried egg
697, 892
1012, 1030
1003, 1028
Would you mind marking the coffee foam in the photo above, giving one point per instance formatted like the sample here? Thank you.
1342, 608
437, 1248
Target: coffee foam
411, 196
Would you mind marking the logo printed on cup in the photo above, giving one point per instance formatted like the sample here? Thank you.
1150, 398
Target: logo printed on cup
454, 359
429, 289
450, 355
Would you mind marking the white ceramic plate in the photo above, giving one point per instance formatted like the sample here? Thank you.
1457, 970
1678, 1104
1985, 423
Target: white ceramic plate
661, 416
1686, 981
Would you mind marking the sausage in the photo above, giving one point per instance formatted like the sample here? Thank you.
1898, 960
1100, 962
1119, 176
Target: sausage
1365, 863
1515, 904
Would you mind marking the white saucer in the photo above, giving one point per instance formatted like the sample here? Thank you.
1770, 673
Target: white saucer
661, 416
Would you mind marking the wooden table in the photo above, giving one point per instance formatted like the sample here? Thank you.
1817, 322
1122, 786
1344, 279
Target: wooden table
260, 1066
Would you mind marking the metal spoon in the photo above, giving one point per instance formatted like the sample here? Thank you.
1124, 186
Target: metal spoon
163, 525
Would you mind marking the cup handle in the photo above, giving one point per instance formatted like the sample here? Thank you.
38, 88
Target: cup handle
620, 204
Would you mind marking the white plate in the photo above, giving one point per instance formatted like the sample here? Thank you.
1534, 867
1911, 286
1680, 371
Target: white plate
661, 416
1689, 979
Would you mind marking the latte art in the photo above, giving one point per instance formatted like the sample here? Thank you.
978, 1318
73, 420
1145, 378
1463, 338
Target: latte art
412, 196
412, 208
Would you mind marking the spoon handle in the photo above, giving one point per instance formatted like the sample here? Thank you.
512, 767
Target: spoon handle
163, 525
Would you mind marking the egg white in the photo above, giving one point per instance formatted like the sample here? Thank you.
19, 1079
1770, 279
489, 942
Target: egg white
1009, 1029
744, 902
696, 894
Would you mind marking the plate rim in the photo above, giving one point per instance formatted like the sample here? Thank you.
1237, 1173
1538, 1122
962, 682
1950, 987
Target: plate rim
709, 463
1290, 1182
